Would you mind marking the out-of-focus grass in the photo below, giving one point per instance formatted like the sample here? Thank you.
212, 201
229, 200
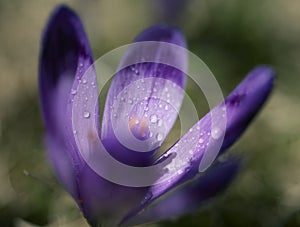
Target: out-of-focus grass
230, 36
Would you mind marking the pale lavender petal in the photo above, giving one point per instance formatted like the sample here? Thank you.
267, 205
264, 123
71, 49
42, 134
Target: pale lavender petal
189, 197
241, 106
143, 99
103, 202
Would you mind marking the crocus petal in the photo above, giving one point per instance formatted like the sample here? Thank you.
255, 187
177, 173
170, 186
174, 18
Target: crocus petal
241, 106
144, 98
191, 196
65, 53
104, 202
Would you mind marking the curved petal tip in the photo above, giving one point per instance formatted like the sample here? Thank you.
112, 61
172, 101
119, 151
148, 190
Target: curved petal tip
162, 33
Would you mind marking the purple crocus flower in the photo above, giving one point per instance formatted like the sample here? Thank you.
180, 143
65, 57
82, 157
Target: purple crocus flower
65, 56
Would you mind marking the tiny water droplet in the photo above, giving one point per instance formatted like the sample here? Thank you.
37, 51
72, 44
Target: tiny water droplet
130, 101
159, 136
201, 140
159, 123
153, 119
216, 133
73, 92
147, 197
75, 132
86, 114
84, 81
166, 107
180, 171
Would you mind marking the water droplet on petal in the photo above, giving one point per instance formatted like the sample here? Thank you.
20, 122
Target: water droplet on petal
147, 197
73, 92
159, 136
86, 114
159, 123
153, 119
84, 81
216, 133
201, 140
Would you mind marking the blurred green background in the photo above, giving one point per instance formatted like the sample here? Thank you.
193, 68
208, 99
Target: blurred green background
231, 37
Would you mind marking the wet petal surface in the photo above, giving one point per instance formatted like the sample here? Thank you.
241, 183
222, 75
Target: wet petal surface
143, 100
193, 151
